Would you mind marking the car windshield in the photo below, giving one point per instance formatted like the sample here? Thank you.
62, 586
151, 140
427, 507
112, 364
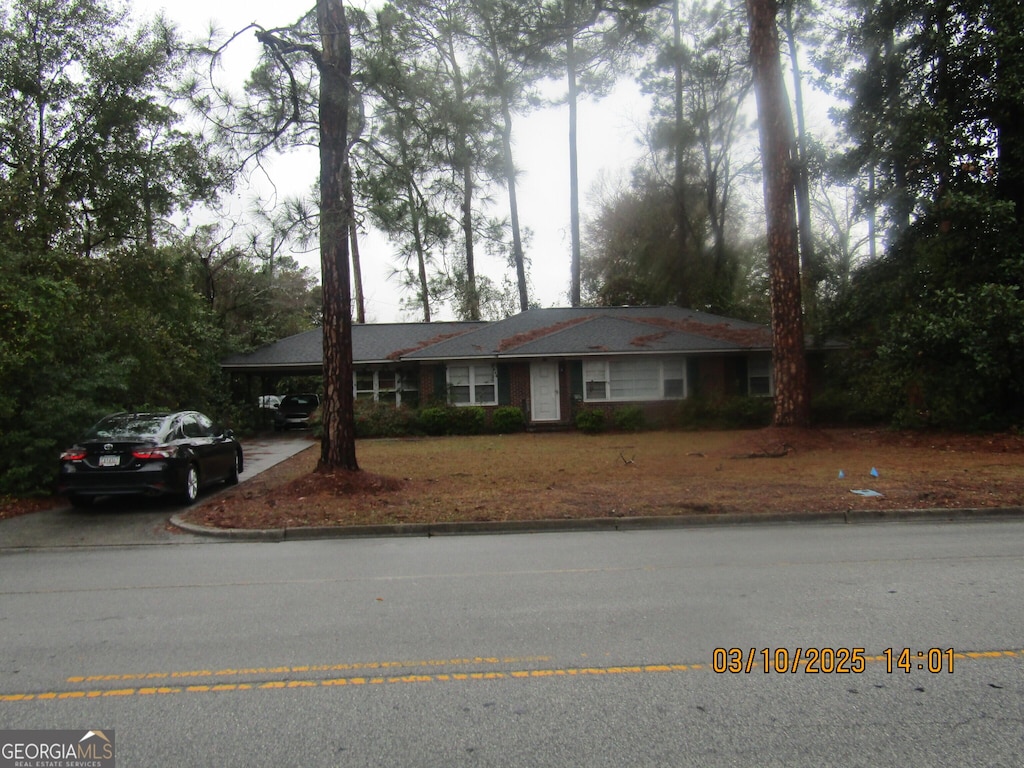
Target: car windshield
129, 426
299, 400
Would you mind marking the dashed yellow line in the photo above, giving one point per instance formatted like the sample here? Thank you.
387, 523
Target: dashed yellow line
442, 677
354, 681
307, 668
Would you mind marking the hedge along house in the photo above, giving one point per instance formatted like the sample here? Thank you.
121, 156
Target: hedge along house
548, 362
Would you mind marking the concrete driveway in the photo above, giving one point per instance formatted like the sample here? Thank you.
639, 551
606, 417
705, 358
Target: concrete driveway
132, 521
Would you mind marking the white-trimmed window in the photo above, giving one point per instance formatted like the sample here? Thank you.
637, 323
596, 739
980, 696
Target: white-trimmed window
595, 380
472, 385
639, 378
636, 379
759, 375
381, 386
366, 385
674, 378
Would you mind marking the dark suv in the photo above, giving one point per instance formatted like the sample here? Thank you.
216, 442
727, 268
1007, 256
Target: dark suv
295, 411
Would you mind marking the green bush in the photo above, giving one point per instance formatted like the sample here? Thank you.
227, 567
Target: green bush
471, 420
433, 420
508, 419
629, 419
590, 420
383, 420
746, 412
450, 420
724, 413
936, 326
845, 407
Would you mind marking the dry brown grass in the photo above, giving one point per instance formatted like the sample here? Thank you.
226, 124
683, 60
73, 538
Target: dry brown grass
569, 475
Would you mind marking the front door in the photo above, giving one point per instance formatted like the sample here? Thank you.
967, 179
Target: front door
544, 392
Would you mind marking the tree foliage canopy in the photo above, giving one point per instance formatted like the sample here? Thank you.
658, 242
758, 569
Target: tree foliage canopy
105, 305
936, 94
91, 152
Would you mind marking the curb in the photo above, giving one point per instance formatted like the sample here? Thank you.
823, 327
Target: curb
599, 524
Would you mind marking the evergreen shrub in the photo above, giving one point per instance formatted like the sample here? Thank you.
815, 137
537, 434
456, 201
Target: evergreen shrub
508, 419
629, 418
590, 420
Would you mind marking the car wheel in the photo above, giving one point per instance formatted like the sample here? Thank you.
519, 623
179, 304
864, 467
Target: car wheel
191, 490
236, 467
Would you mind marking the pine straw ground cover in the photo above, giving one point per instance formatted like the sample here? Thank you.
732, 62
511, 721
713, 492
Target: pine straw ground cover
570, 475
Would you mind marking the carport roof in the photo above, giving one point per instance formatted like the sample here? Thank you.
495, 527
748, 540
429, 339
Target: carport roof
372, 343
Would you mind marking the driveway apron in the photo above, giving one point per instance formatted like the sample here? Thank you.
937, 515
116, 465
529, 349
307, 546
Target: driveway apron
132, 521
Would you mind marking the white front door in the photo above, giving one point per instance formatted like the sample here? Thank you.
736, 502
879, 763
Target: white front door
544, 392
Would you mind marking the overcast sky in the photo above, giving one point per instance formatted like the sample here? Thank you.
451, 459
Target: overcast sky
607, 138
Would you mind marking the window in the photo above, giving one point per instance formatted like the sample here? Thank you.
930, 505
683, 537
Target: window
759, 375
595, 379
407, 388
204, 424
484, 384
472, 385
196, 426
674, 372
459, 388
382, 386
366, 385
634, 379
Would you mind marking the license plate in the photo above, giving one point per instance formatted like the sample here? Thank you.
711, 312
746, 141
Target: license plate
109, 461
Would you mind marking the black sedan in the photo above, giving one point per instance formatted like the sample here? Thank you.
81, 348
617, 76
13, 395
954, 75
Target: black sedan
149, 453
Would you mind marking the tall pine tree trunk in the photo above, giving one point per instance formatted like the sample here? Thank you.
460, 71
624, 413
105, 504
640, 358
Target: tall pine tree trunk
338, 445
684, 293
464, 162
792, 400
502, 87
808, 262
419, 247
574, 176
513, 205
353, 232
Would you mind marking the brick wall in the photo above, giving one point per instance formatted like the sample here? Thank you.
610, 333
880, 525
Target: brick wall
519, 384
427, 393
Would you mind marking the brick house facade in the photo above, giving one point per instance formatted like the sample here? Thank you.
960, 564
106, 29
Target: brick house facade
548, 362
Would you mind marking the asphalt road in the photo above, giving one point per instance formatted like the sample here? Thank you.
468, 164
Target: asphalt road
581, 649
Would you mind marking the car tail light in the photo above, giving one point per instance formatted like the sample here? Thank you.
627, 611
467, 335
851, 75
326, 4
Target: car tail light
73, 454
159, 452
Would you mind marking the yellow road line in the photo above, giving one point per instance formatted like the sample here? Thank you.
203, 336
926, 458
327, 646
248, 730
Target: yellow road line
443, 677
354, 681
304, 669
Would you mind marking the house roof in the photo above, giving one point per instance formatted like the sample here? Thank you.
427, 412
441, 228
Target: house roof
556, 332
373, 343
600, 331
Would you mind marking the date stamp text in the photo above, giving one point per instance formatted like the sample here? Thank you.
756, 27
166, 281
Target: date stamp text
829, 661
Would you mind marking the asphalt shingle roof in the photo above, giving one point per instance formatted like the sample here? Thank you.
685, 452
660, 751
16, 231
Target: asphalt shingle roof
601, 330
372, 343
578, 331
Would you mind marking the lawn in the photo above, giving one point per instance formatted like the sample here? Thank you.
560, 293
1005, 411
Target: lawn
570, 475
